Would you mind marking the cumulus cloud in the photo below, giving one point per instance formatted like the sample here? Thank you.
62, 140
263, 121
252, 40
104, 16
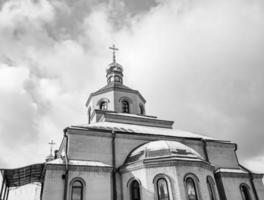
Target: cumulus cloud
202, 59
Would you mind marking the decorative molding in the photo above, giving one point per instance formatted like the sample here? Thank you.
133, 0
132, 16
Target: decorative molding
125, 98
97, 169
102, 100
156, 163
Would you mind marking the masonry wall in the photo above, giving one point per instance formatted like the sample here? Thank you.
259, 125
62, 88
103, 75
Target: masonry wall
53, 185
90, 147
259, 187
175, 175
222, 155
97, 146
232, 187
134, 105
97, 182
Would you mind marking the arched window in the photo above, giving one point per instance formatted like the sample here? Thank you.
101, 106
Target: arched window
211, 188
89, 115
135, 190
162, 189
103, 105
245, 192
142, 110
125, 106
77, 190
191, 189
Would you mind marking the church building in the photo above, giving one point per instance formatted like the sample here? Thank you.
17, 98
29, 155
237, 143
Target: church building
122, 153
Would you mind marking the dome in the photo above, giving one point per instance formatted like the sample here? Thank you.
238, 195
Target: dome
114, 73
161, 149
114, 66
50, 157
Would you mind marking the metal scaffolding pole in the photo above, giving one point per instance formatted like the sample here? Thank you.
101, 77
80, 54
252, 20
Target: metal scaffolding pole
7, 194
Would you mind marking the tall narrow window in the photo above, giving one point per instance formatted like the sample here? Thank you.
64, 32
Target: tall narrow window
141, 108
162, 189
77, 191
89, 115
191, 189
135, 190
125, 106
245, 192
103, 105
210, 185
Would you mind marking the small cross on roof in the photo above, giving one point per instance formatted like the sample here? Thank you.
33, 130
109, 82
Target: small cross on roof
51, 143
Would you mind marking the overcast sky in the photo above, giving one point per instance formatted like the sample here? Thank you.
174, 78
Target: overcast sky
197, 62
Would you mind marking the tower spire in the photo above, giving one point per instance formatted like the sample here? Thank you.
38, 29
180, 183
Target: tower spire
113, 48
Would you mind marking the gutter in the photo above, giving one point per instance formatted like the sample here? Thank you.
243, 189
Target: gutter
66, 175
251, 178
205, 150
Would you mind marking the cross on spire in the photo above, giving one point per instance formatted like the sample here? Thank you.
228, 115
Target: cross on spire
51, 143
113, 48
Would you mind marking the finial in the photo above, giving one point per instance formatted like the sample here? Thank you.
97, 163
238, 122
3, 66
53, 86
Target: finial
51, 143
114, 49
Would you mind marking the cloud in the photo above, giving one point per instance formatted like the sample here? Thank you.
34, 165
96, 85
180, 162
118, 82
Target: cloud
202, 59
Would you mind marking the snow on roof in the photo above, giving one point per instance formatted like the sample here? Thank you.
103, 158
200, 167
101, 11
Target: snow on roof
131, 128
171, 146
163, 149
231, 170
59, 161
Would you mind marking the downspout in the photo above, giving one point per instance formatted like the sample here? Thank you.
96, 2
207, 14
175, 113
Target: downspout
114, 166
205, 150
66, 175
251, 178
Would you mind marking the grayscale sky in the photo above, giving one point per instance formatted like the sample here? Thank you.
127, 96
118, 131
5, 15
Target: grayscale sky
197, 62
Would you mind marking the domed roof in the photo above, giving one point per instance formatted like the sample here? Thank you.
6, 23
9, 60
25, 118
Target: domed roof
161, 149
50, 157
114, 65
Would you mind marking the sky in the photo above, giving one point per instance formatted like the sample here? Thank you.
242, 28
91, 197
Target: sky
197, 62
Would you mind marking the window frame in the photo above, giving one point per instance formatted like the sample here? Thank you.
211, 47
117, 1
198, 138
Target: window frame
127, 106
211, 187
103, 105
169, 186
77, 179
141, 109
89, 115
195, 180
131, 189
101, 101
244, 185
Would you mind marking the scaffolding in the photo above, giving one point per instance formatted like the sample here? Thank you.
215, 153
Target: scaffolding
13, 178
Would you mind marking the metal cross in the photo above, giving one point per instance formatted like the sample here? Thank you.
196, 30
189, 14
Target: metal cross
114, 49
51, 143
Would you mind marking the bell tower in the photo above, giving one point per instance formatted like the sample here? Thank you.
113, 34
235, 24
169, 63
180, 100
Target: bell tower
114, 97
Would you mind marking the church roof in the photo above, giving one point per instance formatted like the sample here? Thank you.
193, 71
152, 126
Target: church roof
161, 149
140, 129
60, 161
